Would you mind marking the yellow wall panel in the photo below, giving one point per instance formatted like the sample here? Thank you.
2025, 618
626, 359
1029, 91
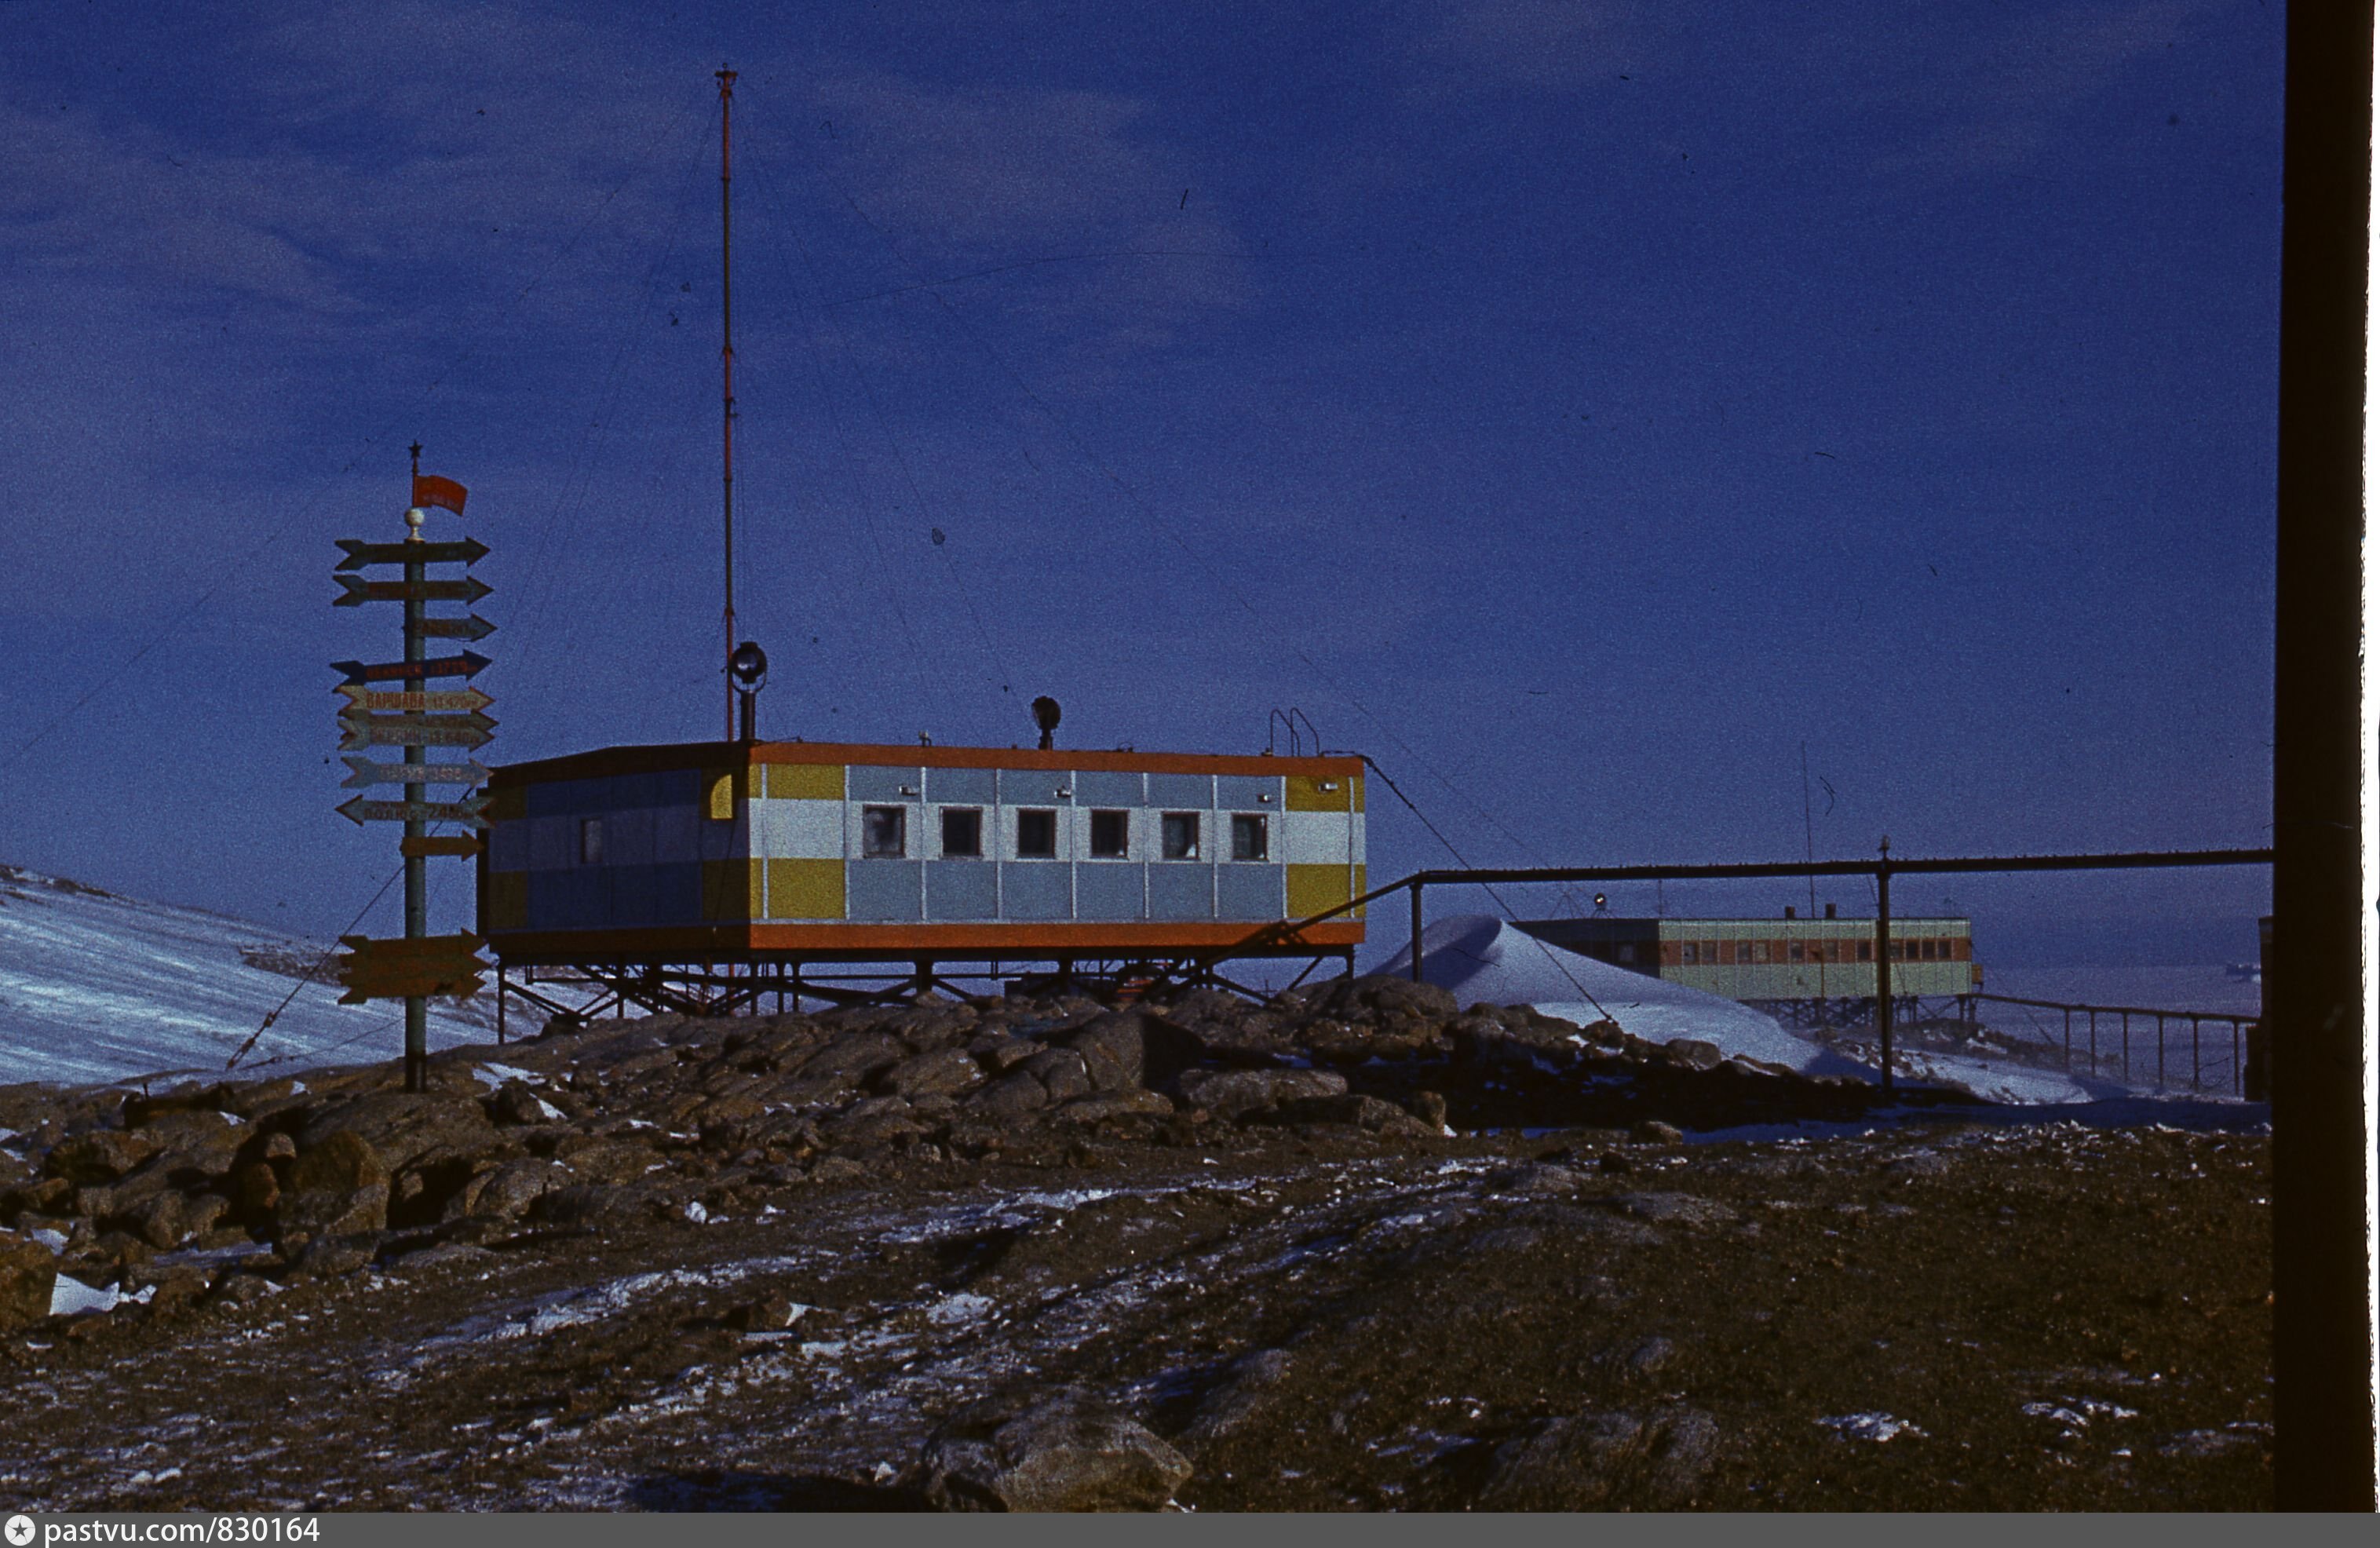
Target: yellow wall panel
1313, 888
722, 786
1305, 793
804, 889
803, 782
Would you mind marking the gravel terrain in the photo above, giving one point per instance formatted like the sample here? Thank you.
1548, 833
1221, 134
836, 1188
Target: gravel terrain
1350, 1251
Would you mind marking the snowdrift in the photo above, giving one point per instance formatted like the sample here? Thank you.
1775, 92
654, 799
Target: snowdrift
98, 987
1479, 957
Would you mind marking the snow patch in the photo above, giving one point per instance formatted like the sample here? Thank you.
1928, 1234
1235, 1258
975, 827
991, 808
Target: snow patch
1878, 1427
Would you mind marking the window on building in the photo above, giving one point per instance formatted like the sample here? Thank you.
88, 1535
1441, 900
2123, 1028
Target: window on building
962, 833
1793, 952
1036, 836
590, 841
1111, 834
1248, 837
1867, 951
1689, 954
884, 831
1925, 950
1179, 832
1759, 951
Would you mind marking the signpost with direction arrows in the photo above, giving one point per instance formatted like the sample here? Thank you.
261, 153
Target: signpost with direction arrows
391, 704
410, 969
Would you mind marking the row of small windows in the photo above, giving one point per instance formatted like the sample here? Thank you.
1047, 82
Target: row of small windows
1709, 952
884, 835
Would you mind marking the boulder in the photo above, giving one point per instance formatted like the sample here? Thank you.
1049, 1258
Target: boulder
28, 1273
853, 1056
1063, 1452
168, 1220
1127, 1048
999, 1053
49, 1196
510, 1190
1604, 1461
1369, 1113
1011, 1096
337, 1187
1382, 996
255, 1190
405, 1128
342, 1161
1062, 1073
515, 1103
1693, 1052
331, 1213
944, 1073
1116, 1104
1233, 1092
98, 1157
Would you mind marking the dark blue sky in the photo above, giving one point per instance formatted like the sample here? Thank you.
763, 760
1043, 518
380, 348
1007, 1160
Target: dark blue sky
1580, 407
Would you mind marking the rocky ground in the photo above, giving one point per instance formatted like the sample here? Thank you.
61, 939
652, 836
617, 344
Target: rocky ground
1351, 1249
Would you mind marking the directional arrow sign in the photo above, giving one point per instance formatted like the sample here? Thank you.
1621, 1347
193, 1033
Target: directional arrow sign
413, 965
360, 591
465, 731
467, 665
367, 774
472, 628
471, 811
471, 551
360, 698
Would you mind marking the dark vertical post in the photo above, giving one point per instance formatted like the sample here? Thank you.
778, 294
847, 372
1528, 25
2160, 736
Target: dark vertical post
2322, 1152
417, 890
500, 1004
2070, 1039
727, 384
1416, 930
1883, 963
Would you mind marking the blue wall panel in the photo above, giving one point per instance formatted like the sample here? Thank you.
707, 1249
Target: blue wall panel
1035, 890
1182, 792
1180, 891
1245, 792
1095, 787
882, 891
867, 782
1034, 787
961, 890
961, 787
1250, 891
1108, 890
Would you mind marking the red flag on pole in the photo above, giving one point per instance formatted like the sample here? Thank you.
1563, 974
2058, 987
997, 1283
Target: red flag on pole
445, 492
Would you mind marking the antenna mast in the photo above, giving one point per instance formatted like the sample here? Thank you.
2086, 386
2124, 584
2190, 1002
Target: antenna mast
727, 389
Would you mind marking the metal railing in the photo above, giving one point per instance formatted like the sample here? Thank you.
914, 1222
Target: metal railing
1881, 870
2122, 1017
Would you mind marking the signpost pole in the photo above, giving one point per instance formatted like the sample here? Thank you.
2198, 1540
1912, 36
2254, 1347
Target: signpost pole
1884, 961
417, 890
